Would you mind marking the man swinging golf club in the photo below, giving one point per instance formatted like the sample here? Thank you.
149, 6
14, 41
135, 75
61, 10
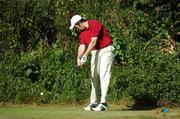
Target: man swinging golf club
95, 39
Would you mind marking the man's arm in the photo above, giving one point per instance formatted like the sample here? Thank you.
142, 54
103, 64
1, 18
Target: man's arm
81, 51
91, 45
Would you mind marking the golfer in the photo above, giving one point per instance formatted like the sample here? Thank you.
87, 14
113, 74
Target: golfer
95, 40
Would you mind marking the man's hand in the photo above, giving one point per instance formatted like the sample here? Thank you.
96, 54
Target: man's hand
81, 51
83, 58
79, 63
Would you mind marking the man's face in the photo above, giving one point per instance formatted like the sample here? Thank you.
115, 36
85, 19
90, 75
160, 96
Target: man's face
79, 26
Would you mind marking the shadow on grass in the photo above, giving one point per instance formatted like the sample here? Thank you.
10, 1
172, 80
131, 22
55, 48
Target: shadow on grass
141, 108
143, 104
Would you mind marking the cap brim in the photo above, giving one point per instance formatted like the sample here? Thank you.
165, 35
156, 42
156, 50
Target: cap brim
71, 27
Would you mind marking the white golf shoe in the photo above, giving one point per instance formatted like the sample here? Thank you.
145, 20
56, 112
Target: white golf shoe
101, 107
90, 106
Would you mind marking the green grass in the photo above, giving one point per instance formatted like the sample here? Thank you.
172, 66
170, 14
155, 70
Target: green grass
76, 112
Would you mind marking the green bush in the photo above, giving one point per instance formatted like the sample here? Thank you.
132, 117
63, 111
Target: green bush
38, 51
154, 79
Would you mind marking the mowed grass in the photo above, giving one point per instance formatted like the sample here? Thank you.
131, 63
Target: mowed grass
76, 112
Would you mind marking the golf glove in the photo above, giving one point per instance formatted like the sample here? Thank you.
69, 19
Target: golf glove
83, 58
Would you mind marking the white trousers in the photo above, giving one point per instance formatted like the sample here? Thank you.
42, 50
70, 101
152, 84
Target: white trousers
101, 62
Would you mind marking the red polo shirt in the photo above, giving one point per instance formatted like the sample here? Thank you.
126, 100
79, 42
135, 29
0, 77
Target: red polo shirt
96, 29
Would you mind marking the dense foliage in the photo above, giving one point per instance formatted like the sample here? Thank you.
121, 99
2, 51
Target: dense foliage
38, 51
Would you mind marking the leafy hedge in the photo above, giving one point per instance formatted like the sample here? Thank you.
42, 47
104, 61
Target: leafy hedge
24, 78
38, 51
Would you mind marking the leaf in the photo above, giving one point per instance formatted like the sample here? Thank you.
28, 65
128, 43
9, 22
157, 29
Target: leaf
28, 72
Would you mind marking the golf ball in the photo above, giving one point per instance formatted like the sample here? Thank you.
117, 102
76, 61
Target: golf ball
41, 93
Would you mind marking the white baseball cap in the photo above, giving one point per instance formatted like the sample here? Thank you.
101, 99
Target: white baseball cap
74, 20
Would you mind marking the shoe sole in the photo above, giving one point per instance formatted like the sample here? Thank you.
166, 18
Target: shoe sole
101, 109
